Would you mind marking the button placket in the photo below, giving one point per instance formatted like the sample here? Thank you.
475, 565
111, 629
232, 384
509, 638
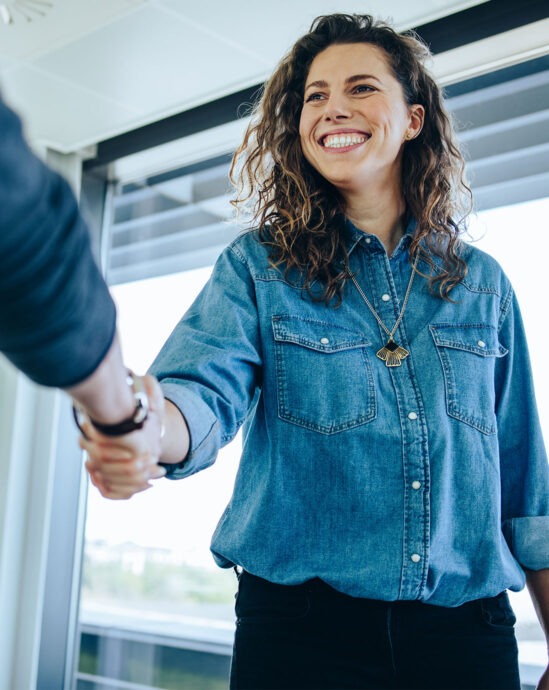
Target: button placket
416, 524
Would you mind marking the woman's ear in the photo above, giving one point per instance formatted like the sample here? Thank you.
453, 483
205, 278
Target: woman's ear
417, 116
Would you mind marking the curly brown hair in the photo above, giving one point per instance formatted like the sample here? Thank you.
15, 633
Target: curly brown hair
299, 214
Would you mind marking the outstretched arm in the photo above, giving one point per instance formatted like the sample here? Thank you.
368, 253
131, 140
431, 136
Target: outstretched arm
210, 368
105, 395
57, 318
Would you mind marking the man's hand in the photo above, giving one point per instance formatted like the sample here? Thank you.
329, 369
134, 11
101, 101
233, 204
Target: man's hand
125, 465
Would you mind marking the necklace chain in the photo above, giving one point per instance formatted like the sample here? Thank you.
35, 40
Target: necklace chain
392, 354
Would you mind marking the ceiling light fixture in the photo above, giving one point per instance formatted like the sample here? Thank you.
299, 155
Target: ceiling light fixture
27, 9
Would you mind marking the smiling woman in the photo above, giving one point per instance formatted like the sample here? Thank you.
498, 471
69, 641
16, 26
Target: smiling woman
352, 127
393, 482
372, 73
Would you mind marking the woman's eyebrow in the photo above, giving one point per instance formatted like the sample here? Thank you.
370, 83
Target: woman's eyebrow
322, 84
361, 77
319, 84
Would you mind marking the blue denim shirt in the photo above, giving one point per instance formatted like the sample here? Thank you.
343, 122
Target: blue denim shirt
428, 481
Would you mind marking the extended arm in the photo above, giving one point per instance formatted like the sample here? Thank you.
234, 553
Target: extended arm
105, 395
57, 319
209, 369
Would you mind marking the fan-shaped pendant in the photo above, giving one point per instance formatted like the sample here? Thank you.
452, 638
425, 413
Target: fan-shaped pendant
392, 354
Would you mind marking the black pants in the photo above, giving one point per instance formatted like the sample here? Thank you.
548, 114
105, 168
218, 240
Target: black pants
310, 637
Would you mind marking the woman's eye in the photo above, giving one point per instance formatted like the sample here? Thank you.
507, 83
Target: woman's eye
363, 88
313, 97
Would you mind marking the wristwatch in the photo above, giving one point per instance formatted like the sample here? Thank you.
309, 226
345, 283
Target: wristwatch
132, 423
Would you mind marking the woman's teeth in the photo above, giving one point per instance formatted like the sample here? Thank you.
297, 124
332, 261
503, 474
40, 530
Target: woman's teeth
337, 141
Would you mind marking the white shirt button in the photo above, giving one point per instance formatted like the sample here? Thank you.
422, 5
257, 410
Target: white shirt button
368, 240
481, 343
415, 557
325, 341
416, 485
412, 415
385, 297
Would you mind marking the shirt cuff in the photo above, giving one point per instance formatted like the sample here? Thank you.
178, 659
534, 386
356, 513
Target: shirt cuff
203, 428
528, 539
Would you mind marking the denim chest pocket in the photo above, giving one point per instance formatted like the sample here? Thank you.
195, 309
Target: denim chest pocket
323, 373
468, 353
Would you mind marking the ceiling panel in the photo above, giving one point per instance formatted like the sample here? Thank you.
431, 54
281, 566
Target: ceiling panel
68, 113
65, 22
152, 62
270, 28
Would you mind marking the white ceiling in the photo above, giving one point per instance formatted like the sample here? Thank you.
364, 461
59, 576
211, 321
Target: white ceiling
91, 69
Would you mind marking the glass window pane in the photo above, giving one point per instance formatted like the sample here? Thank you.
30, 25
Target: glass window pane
154, 607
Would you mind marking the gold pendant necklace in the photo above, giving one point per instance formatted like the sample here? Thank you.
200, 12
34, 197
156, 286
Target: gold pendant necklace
391, 353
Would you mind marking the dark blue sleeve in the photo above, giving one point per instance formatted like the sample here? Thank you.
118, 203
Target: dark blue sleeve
57, 318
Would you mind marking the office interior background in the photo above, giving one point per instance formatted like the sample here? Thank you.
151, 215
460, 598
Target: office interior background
140, 104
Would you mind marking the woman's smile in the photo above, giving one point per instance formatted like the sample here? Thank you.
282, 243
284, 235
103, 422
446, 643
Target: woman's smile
341, 141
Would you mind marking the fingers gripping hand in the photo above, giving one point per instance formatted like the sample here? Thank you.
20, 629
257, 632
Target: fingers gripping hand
122, 466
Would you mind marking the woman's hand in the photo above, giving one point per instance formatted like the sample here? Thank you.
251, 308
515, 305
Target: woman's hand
122, 466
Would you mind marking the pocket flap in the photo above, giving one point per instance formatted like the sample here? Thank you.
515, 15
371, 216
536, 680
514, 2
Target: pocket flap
316, 335
473, 337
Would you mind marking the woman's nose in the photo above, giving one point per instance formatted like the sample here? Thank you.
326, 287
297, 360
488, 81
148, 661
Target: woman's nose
337, 108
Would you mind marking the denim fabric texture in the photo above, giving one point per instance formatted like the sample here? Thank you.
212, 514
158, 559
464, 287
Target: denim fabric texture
424, 482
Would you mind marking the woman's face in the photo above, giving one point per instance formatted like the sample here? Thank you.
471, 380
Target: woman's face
355, 119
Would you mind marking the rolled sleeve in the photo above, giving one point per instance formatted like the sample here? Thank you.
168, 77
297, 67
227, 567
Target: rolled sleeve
210, 366
204, 431
528, 539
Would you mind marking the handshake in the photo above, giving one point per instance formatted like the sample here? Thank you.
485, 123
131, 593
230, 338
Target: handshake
123, 465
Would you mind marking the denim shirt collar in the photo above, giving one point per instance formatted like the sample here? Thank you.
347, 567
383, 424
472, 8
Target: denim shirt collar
371, 242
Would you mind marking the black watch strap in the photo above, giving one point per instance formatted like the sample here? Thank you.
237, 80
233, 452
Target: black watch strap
126, 426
